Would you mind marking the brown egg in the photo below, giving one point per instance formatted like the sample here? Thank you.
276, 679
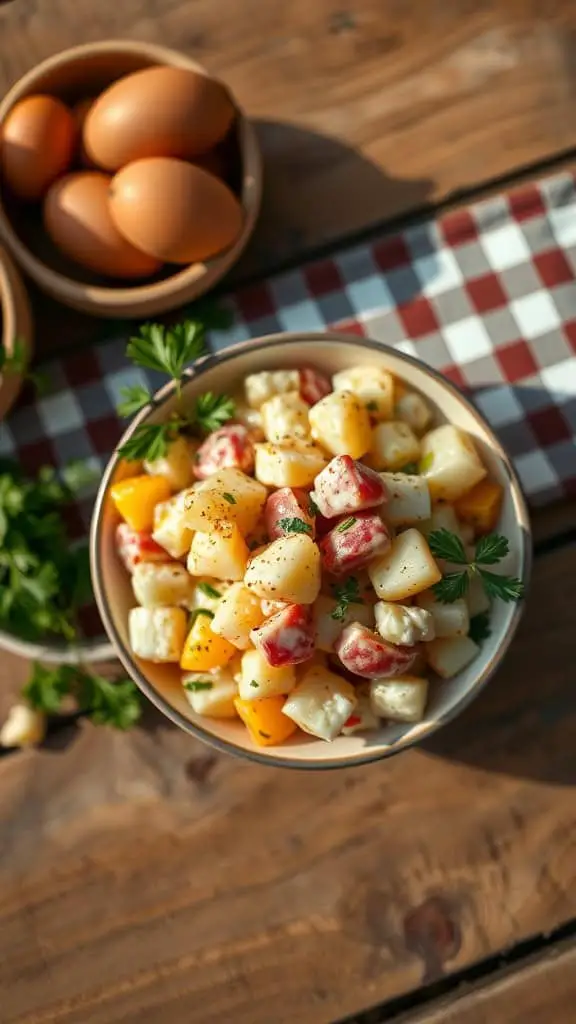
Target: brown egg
38, 139
160, 111
77, 218
174, 210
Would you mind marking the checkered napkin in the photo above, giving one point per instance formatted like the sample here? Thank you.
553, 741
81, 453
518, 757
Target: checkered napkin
487, 295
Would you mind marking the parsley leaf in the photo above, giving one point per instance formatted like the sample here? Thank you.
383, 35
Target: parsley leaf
107, 703
212, 411
345, 593
451, 587
134, 398
507, 588
445, 544
479, 627
167, 349
294, 525
491, 549
209, 590
229, 498
149, 441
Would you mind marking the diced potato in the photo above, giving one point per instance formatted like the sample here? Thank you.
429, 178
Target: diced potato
222, 554
362, 718
157, 634
204, 508
373, 385
176, 465
250, 418
328, 629
207, 593
24, 727
450, 463
449, 619
449, 655
285, 417
402, 699
287, 570
442, 517
259, 387
259, 679
477, 599
237, 613
406, 569
341, 424
264, 720
321, 703
403, 625
480, 508
393, 445
137, 497
294, 464
162, 584
171, 531
203, 649
413, 410
249, 496
408, 499
211, 694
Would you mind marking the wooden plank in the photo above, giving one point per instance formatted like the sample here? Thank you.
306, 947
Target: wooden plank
144, 877
540, 991
364, 112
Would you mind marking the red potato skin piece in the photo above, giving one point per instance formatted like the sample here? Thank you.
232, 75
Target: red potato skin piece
230, 447
287, 503
366, 654
286, 638
134, 547
345, 550
345, 486
313, 385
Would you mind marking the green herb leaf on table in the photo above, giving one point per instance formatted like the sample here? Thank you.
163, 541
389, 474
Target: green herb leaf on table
294, 525
479, 627
212, 411
117, 704
209, 590
46, 688
345, 593
445, 544
134, 399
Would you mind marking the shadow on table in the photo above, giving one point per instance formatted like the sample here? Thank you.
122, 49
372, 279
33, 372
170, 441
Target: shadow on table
318, 191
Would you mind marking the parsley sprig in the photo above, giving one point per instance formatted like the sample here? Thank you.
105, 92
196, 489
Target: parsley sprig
170, 350
107, 703
292, 524
489, 550
345, 593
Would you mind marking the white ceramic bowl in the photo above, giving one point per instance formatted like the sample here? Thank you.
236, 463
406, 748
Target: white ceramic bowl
330, 353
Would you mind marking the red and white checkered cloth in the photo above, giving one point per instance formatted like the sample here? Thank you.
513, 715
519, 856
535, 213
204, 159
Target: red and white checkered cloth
487, 295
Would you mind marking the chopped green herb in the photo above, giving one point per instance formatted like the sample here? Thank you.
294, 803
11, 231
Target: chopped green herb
345, 593
426, 462
479, 627
209, 590
411, 468
314, 510
254, 684
294, 525
346, 525
372, 406
199, 611
194, 685
229, 498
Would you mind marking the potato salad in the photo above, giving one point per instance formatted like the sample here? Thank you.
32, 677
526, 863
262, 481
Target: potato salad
292, 563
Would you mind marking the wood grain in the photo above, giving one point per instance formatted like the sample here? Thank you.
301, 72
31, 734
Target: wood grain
143, 877
541, 991
364, 112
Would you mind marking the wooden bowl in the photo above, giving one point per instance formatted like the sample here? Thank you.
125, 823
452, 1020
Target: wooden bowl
85, 71
329, 353
15, 326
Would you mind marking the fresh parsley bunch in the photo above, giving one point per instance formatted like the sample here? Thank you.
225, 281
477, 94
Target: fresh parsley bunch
171, 350
107, 703
489, 550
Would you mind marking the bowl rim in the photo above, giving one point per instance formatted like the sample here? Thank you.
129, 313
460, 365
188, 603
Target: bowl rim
161, 397
117, 299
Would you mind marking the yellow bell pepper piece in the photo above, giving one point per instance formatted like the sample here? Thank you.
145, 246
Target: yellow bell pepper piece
204, 650
480, 507
264, 720
137, 497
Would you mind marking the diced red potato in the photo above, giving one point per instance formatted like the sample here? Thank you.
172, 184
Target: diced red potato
286, 638
135, 546
353, 542
287, 504
346, 485
313, 385
230, 447
366, 654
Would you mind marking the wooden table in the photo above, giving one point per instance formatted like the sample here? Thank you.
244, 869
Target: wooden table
144, 878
